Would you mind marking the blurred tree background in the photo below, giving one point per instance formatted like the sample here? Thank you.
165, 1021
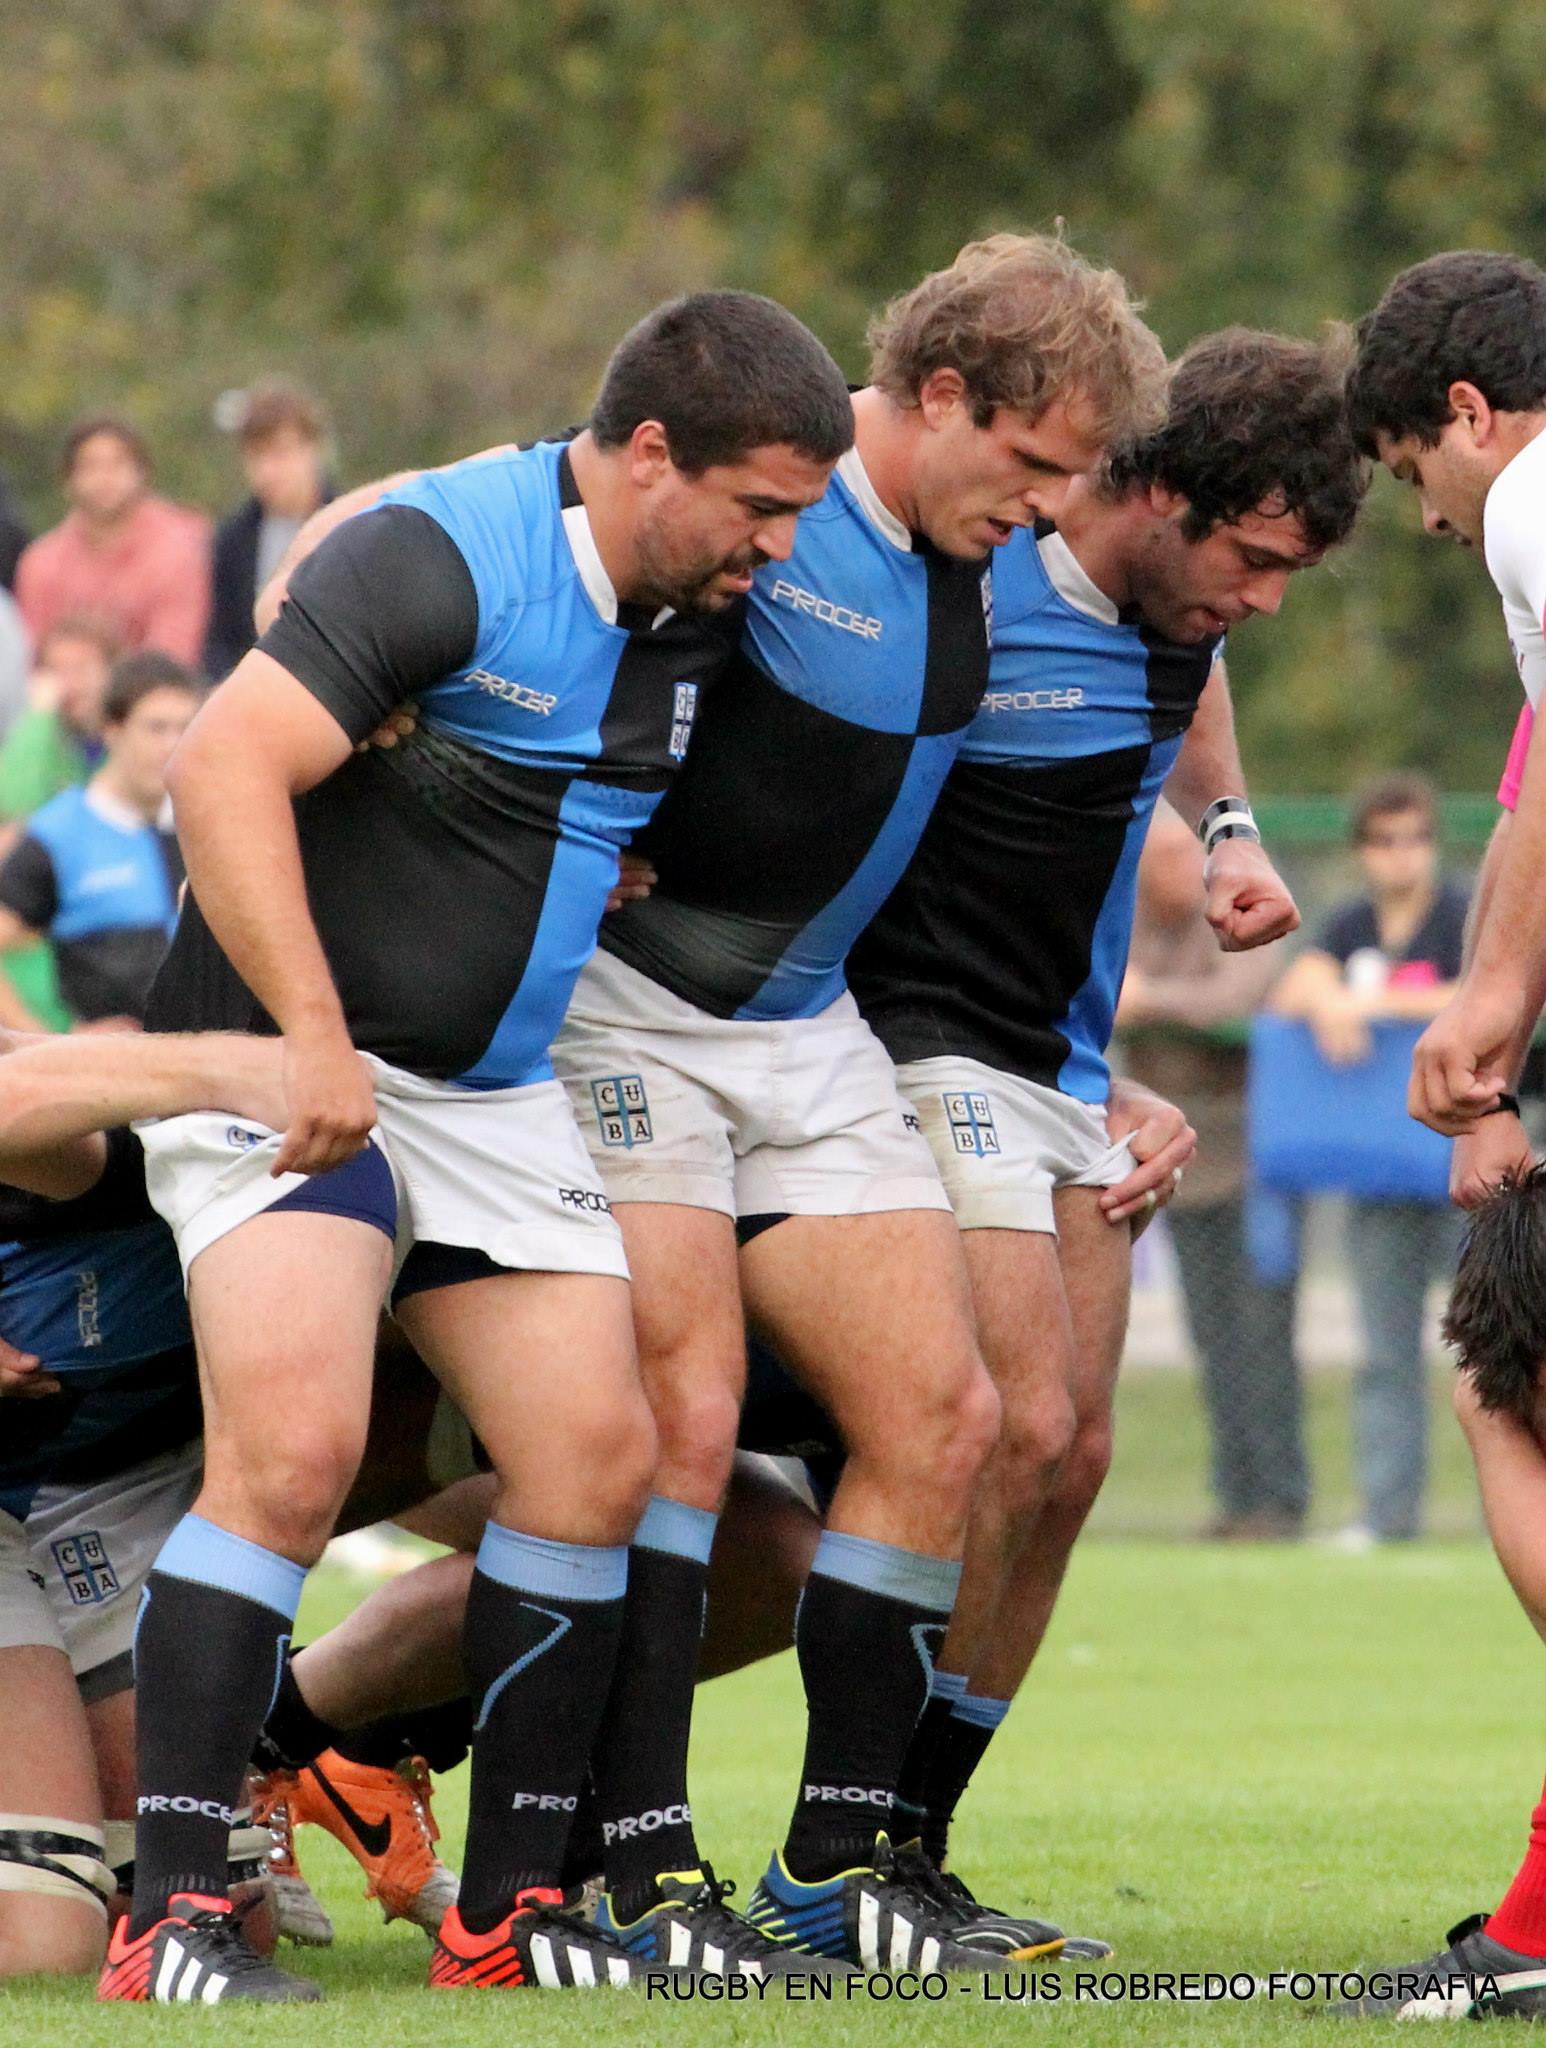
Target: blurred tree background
441, 212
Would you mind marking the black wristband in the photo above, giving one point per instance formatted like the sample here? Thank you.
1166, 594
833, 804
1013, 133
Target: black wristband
1508, 1105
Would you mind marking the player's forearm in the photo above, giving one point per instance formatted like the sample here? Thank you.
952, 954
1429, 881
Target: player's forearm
1509, 955
58, 1089
1476, 916
1208, 765
1511, 1473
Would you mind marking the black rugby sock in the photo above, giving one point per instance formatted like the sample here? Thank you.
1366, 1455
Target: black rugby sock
912, 1790
292, 1734
870, 1620
544, 1621
213, 1628
960, 1749
640, 1764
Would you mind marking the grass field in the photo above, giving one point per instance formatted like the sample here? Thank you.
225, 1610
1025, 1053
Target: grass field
1230, 1760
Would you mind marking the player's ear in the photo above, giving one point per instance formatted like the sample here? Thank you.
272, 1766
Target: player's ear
1472, 410
1166, 503
940, 394
649, 454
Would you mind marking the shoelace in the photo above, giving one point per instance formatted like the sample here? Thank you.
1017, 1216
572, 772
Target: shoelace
917, 1873
227, 1944
713, 1920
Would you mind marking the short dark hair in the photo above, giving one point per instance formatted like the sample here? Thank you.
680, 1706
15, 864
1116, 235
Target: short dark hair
1255, 423
137, 675
1468, 315
104, 633
95, 423
725, 372
1496, 1318
1388, 796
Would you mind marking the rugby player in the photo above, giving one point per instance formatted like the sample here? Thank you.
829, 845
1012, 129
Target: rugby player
411, 920
724, 1079
1448, 390
992, 974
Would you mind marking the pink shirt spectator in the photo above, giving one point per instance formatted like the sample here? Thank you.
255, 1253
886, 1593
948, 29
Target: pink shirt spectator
1514, 766
152, 578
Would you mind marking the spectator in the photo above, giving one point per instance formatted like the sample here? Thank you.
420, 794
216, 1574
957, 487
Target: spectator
1180, 998
283, 436
121, 551
57, 740
13, 536
1393, 951
98, 868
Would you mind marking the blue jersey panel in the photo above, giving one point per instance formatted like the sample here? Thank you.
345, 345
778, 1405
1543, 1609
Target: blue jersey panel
108, 879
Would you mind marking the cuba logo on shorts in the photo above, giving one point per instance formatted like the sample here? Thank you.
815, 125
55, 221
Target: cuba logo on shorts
971, 1121
684, 708
622, 1110
83, 1564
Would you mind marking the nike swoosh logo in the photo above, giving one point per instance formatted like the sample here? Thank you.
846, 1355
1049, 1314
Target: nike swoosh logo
375, 1836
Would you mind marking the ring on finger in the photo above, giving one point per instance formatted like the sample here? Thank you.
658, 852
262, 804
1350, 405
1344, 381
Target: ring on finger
1151, 1200
1176, 1174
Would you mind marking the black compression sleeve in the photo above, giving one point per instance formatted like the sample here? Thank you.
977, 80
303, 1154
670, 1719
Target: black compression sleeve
383, 609
28, 884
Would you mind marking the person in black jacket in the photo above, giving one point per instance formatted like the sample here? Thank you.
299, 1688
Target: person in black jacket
283, 436
13, 536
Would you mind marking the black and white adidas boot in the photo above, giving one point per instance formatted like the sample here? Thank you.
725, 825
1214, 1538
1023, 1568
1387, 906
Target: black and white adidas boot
1472, 1977
692, 1926
1014, 1936
197, 1955
540, 1945
888, 1917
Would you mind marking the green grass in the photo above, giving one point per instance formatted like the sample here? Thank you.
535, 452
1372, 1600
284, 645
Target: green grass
1228, 1760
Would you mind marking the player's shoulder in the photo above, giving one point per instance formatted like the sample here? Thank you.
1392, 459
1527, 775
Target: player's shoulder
1036, 572
503, 511
62, 813
1514, 519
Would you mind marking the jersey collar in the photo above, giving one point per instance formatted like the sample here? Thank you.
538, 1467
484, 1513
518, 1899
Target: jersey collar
582, 543
1070, 580
853, 472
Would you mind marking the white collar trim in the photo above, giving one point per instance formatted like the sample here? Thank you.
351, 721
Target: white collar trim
587, 559
1072, 582
853, 472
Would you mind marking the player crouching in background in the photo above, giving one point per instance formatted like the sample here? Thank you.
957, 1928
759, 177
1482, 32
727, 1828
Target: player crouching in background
1493, 1965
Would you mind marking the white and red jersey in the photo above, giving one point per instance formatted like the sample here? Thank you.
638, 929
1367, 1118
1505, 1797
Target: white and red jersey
1514, 541
1514, 766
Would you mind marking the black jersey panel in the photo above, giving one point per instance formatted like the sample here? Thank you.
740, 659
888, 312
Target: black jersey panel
980, 948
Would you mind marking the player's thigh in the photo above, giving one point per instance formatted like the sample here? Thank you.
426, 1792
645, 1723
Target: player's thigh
1096, 1258
544, 1368
1025, 1332
691, 1333
284, 1312
46, 1776
873, 1314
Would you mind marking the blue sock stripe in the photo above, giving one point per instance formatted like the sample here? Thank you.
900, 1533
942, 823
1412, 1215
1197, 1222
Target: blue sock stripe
672, 1526
557, 1571
947, 1685
212, 1556
981, 1711
883, 1568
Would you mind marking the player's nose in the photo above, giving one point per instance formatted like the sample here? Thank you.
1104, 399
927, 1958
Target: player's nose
775, 538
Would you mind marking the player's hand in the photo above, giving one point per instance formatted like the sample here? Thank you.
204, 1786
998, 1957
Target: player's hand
330, 1104
1249, 903
635, 879
1160, 1140
1485, 1154
1461, 1063
397, 725
22, 1377
1339, 1025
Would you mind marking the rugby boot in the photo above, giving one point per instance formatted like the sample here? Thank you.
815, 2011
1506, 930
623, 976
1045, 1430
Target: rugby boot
197, 1955
301, 1915
883, 1917
692, 1926
384, 1818
539, 1944
1013, 1936
1472, 1977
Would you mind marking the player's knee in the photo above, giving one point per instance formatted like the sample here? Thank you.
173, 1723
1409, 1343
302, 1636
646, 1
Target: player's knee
290, 1498
49, 1937
967, 1423
1084, 1470
622, 1461
697, 1426
1035, 1438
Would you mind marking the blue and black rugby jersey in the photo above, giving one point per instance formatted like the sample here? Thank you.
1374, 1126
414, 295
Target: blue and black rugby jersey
1007, 938
94, 1289
862, 661
456, 880
103, 884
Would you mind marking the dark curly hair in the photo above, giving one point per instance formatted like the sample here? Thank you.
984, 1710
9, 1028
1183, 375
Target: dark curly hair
1255, 423
1496, 1318
1469, 315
